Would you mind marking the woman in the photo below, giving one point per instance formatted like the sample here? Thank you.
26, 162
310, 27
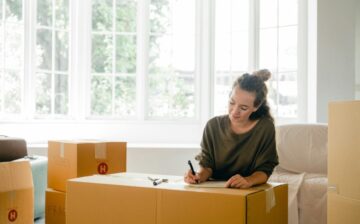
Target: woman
240, 147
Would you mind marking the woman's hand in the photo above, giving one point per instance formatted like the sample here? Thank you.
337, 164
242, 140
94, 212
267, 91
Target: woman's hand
201, 176
238, 181
191, 178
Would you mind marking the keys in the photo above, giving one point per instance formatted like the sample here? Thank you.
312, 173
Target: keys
157, 181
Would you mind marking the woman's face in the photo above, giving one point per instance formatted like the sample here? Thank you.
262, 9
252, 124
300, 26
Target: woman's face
241, 105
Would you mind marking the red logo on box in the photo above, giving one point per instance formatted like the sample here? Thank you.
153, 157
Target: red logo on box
12, 215
103, 168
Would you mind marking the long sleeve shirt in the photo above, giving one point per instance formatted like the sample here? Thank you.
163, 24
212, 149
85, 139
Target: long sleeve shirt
228, 153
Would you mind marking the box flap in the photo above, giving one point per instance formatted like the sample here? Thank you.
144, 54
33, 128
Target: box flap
15, 175
173, 183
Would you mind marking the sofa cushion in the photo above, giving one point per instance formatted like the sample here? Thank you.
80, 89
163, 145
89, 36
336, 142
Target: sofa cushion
302, 148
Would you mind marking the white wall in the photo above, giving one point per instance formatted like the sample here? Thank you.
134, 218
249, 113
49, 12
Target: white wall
156, 159
335, 48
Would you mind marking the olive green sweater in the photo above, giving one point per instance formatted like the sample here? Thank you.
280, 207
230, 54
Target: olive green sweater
228, 153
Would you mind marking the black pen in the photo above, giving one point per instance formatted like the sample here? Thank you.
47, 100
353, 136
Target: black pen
192, 169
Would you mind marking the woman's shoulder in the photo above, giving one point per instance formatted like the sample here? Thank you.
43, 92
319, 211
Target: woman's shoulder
218, 120
267, 124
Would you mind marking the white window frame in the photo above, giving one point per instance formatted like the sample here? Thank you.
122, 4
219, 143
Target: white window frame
302, 78
140, 130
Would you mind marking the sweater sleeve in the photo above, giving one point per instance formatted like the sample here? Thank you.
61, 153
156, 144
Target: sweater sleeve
206, 156
267, 157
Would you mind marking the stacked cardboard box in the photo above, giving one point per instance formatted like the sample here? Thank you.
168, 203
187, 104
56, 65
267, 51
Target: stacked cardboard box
71, 159
16, 192
132, 198
343, 163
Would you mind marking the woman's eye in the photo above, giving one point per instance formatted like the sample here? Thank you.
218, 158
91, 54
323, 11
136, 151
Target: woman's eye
232, 103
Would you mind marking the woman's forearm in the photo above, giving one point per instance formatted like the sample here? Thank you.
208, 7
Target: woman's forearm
204, 173
258, 177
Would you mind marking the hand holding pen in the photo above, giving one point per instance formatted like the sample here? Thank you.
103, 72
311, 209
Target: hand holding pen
191, 177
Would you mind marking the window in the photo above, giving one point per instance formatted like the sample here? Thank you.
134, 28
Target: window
171, 62
144, 70
52, 58
231, 47
278, 33
271, 43
167, 63
11, 57
113, 58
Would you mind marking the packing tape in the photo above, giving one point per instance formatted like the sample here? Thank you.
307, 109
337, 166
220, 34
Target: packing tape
62, 146
270, 199
12, 197
333, 188
100, 150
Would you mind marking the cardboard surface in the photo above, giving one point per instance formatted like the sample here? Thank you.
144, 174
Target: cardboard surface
16, 192
71, 159
344, 148
342, 209
132, 198
55, 207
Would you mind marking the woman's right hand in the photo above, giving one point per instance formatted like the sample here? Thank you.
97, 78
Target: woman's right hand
201, 176
191, 178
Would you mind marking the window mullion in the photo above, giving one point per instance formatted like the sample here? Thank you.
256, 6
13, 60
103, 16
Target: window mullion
142, 30
277, 58
2, 110
27, 72
113, 34
205, 73
53, 32
82, 52
254, 34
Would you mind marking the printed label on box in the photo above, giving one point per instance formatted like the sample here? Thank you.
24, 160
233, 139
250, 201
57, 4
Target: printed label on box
103, 168
12, 215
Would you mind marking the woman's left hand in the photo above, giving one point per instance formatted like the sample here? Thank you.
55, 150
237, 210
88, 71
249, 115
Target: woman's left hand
238, 181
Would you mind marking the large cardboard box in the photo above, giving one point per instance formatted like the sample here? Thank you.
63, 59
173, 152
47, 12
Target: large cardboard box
132, 198
342, 209
16, 192
55, 207
344, 148
71, 159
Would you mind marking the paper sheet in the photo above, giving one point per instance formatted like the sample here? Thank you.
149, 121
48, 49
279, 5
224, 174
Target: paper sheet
210, 184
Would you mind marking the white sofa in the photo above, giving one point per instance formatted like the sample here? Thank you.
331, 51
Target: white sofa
302, 150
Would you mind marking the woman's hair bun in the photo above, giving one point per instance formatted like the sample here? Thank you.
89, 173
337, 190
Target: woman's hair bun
264, 74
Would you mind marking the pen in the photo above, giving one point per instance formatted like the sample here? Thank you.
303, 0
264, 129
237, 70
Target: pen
192, 169
157, 182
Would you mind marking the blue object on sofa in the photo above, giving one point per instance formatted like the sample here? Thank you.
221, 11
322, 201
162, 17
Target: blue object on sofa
39, 173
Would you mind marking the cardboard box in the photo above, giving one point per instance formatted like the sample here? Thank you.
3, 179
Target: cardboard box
344, 148
132, 198
71, 159
55, 207
343, 165
16, 192
342, 209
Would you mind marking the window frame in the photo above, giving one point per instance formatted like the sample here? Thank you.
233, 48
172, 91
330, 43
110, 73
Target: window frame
139, 130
